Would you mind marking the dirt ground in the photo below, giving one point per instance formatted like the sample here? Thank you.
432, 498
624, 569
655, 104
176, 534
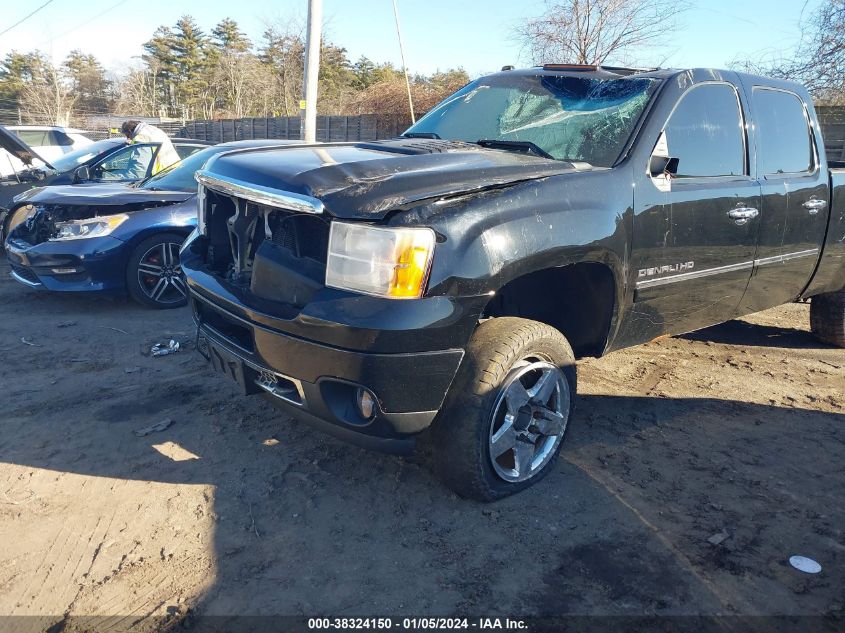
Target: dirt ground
695, 467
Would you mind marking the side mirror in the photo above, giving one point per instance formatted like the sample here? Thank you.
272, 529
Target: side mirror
662, 166
82, 174
662, 163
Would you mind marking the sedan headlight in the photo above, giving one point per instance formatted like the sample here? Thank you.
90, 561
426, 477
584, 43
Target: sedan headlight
387, 262
92, 227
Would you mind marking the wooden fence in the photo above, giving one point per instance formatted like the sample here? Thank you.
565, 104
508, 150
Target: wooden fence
363, 127
832, 121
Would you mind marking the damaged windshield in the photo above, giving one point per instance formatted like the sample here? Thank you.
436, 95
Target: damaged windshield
568, 118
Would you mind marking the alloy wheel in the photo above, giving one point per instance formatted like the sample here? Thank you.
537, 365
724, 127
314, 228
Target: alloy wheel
529, 419
160, 274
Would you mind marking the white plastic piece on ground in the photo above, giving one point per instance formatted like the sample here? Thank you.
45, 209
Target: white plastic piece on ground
163, 349
807, 565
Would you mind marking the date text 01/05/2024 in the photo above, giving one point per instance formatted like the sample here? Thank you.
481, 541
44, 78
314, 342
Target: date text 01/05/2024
414, 624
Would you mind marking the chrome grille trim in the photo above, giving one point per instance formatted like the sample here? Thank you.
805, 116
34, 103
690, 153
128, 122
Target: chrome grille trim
259, 194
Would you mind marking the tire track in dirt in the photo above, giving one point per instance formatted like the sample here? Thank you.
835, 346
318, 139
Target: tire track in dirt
41, 572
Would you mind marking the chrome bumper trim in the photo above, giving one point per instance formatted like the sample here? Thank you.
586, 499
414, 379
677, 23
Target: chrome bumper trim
25, 282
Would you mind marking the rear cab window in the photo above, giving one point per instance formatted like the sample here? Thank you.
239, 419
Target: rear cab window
784, 135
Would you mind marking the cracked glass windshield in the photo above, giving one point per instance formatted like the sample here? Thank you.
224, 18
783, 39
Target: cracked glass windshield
565, 117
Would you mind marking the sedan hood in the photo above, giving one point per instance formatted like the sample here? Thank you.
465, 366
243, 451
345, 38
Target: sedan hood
99, 196
20, 150
367, 180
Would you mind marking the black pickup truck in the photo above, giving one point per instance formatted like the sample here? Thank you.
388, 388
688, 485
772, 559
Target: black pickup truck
450, 278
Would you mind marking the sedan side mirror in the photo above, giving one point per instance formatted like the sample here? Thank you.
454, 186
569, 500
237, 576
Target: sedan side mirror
82, 174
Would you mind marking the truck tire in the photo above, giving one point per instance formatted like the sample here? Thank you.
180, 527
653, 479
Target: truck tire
154, 276
827, 317
502, 425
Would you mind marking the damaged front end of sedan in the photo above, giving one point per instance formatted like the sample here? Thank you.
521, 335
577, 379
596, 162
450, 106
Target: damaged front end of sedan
80, 239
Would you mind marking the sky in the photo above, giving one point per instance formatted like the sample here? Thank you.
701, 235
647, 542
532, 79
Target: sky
439, 34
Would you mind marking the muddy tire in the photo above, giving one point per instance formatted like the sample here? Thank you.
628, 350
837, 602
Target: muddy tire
154, 275
827, 317
504, 419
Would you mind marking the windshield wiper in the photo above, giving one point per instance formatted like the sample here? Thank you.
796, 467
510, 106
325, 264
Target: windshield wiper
420, 135
526, 147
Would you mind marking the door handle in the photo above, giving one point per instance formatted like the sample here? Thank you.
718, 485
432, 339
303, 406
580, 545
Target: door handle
814, 205
741, 215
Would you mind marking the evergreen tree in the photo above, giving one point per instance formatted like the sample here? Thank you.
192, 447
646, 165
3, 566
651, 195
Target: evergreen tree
190, 49
16, 71
228, 37
88, 82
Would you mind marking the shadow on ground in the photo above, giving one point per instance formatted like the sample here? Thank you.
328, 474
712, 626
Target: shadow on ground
745, 334
304, 525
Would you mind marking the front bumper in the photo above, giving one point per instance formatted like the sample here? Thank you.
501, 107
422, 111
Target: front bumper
319, 383
86, 265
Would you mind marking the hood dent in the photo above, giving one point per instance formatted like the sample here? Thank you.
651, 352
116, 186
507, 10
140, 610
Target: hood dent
368, 180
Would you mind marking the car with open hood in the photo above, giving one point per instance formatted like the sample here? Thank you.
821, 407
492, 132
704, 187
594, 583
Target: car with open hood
111, 160
50, 141
111, 237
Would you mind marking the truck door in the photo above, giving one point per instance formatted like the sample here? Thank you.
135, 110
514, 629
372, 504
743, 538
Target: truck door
795, 198
696, 214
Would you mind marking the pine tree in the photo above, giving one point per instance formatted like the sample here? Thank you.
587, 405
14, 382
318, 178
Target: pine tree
190, 46
88, 82
228, 37
16, 71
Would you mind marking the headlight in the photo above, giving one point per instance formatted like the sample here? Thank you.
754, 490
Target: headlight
387, 262
92, 227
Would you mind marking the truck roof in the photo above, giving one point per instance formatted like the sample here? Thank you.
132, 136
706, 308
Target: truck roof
619, 72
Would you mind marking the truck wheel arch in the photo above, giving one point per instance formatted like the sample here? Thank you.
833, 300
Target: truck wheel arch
578, 300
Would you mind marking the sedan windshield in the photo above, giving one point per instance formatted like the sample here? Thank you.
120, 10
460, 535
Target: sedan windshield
180, 176
69, 161
564, 117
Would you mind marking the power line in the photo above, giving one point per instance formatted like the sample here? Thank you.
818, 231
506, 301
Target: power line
26, 17
86, 23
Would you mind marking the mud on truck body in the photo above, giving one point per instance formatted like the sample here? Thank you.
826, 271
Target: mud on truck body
449, 279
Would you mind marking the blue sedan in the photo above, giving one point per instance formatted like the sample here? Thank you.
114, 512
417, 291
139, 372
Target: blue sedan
111, 237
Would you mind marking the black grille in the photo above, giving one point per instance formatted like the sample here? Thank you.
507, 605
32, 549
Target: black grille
303, 235
26, 274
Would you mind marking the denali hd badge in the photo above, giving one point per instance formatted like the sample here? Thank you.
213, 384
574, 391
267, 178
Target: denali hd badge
670, 268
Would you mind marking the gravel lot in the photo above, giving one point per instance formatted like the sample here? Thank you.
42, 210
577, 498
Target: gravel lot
695, 467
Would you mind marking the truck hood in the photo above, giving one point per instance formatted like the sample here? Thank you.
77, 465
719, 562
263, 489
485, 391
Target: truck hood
124, 197
367, 180
19, 149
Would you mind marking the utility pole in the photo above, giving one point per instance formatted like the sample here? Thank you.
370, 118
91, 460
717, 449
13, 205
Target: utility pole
308, 105
404, 66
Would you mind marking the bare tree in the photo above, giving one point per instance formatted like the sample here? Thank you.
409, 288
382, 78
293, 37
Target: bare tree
593, 31
819, 59
138, 92
242, 81
283, 51
48, 100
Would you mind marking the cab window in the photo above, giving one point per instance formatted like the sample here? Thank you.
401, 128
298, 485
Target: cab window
129, 163
784, 143
705, 133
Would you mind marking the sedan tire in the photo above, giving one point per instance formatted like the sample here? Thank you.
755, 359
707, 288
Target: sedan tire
154, 275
